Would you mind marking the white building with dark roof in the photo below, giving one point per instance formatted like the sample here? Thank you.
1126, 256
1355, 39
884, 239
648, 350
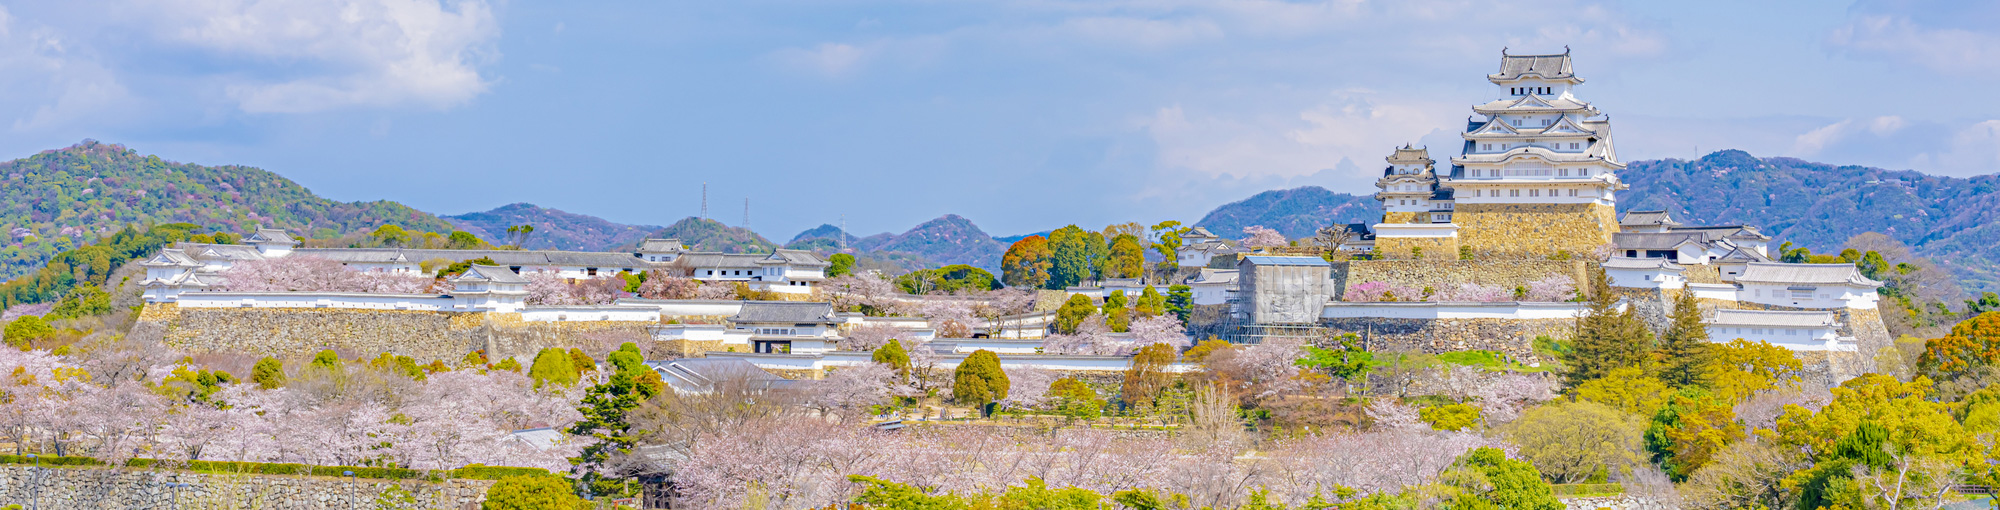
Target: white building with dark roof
490, 288
1795, 330
1807, 285
1644, 273
782, 271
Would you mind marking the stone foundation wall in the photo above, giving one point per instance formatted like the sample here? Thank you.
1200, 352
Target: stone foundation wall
1516, 337
1426, 248
106, 488
1537, 230
1703, 273
297, 333
1443, 274
1403, 217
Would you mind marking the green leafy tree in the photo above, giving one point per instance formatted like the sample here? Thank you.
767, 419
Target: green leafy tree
1167, 242
1150, 303
531, 492
1073, 312
389, 235
892, 354
1027, 263
1075, 400
1570, 442
952, 278
1606, 338
879, 493
1127, 258
841, 264
1627, 389
1485, 479
86, 300
1687, 432
509, 364
462, 240
1070, 256
269, 373
1116, 314
1147, 375
1451, 416
326, 360
581, 361
978, 381
1096, 250
553, 366
1180, 301
461, 266
1036, 494
23, 332
1686, 358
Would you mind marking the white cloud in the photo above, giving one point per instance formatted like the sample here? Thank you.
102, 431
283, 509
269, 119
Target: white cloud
830, 59
48, 84
338, 54
1139, 32
1351, 126
1813, 142
1901, 38
1973, 150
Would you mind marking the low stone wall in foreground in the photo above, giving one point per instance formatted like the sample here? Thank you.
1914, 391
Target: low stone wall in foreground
108, 488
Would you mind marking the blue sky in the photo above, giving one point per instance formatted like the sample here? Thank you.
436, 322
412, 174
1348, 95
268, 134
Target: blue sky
1018, 115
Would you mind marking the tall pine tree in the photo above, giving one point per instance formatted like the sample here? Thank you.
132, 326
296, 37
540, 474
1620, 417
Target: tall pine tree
1606, 338
1685, 354
1070, 247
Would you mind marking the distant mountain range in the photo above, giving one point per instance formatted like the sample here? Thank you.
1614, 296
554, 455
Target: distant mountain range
554, 229
58, 199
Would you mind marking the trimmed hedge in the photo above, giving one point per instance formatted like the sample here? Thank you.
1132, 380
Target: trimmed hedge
473, 472
1587, 489
50, 460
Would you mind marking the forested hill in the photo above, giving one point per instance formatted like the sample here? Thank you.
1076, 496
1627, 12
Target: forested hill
555, 229
1954, 221
61, 199
1296, 212
709, 235
949, 239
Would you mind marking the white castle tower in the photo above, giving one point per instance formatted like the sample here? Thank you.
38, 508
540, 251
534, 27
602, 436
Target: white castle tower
1409, 189
1536, 178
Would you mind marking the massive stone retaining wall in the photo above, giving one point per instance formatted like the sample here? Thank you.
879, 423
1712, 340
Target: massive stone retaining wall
1427, 248
107, 488
1534, 229
1443, 274
295, 333
1516, 337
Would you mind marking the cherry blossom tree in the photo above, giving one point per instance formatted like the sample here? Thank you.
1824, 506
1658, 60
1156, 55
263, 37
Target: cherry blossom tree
716, 291
1159, 329
659, 285
1256, 236
849, 391
306, 273
868, 337
1552, 289
1028, 387
867, 292
951, 318
1382, 291
1092, 338
1472, 292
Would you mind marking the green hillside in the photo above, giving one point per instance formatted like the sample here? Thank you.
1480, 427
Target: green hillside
710, 235
62, 199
